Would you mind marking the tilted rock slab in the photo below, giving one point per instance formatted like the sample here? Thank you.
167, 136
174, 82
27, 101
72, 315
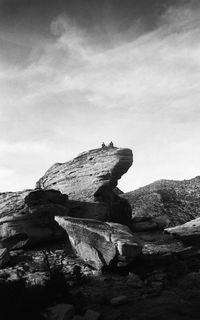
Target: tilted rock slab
188, 232
164, 203
89, 181
99, 243
30, 214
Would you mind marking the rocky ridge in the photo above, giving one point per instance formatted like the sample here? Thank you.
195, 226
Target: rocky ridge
164, 203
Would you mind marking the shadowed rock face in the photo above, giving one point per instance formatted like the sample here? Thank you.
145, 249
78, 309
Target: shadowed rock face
30, 213
89, 181
99, 243
164, 203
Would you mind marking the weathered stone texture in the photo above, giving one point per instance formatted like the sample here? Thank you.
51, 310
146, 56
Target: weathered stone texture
90, 181
87, 175
99, 243
31, 213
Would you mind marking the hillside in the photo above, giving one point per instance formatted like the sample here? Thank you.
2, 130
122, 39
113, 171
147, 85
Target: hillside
169, 201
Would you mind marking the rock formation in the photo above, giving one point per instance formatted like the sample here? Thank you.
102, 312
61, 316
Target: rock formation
188, 232
164, 203
30, 214
157, 266
99, 243
89, 181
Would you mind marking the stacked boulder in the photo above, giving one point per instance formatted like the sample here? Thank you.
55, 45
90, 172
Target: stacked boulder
90, 181
78, 198
98, 218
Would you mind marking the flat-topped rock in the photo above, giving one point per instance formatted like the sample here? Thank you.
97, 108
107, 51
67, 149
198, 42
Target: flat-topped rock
87, 175
90, 181
30, 214
164, 203
99, 243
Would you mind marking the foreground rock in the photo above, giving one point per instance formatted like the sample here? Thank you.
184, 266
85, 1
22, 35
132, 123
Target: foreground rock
30, 215
90, 181
164, 203
188, 232
100, 244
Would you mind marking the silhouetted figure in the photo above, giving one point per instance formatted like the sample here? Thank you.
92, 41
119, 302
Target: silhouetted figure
103, 145
111, 145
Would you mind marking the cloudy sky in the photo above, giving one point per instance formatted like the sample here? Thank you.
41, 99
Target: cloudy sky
75, 73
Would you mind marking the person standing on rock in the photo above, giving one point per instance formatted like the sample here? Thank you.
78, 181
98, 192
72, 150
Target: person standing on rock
103, 145
111, 145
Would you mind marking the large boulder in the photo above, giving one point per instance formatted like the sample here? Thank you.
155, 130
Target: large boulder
90, 181
164, 203
30, 215
100, 243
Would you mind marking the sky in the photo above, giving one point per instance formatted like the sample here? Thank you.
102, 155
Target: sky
79, 72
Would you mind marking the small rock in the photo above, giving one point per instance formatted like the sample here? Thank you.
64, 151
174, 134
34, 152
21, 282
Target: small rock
119, 300
96, 273
61, 312
122, 264
91, 315
134, 281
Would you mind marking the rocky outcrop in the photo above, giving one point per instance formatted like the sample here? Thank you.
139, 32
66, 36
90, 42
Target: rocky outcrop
90, 181
164, 203
99, 244
188, 232
30, 215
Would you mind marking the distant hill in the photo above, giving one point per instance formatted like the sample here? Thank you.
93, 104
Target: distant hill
175, 201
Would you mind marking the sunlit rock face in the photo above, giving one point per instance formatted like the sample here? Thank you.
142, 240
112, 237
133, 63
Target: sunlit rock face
164, 203
100, 243
31, 213
90, 181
